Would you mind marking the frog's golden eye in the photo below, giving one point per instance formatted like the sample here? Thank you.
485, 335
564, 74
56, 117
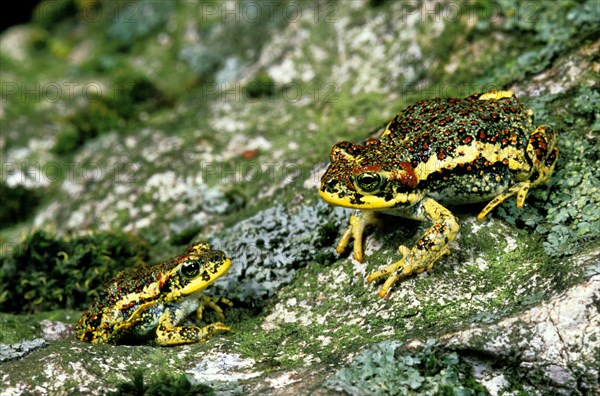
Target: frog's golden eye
190, 269
370, 182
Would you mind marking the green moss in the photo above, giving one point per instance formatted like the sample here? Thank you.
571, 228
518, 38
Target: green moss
185, 236
378, 3
389, 368
85, 125
47, 272
15, 328
162, 384
134, 94
512, 40
548, 31
261, 85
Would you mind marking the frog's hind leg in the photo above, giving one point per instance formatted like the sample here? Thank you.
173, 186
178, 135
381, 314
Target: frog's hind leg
136, 317
428, 250
168, 333
542, 151
169, 336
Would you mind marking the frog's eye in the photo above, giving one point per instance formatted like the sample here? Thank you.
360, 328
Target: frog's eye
370, 182
190, 269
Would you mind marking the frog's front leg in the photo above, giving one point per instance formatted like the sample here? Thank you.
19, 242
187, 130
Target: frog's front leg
359, 220
168, 333
211, 302
428, 250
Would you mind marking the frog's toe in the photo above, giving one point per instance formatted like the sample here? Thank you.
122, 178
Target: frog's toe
403, 250
356, 229
522, 194
212, 303
394, 272
343, 242
386, 271
389, 282
226, 301
357, 252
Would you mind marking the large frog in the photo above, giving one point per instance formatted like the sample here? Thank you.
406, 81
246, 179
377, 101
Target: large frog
435, 153
152, 302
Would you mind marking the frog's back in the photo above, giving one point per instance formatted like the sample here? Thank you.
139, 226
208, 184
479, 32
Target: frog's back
456, 145
440, 127
120, 298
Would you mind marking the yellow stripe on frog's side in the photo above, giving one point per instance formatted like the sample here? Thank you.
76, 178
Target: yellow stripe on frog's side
491, 152
371, 202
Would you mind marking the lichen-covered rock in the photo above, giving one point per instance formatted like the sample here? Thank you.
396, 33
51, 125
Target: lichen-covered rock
551, 348
20, 349
269, 247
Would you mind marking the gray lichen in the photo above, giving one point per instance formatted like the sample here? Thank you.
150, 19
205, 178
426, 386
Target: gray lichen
389, 368
269, 247
20, 349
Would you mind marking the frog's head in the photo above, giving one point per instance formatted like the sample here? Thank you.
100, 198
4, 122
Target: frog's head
195, 270
368, 176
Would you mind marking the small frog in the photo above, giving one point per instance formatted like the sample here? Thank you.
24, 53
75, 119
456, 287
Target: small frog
152, 301
434, 153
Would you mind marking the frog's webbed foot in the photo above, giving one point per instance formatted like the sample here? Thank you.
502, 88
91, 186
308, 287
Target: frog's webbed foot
211, 302
394, 272
358, 222
520, 189
428, 250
